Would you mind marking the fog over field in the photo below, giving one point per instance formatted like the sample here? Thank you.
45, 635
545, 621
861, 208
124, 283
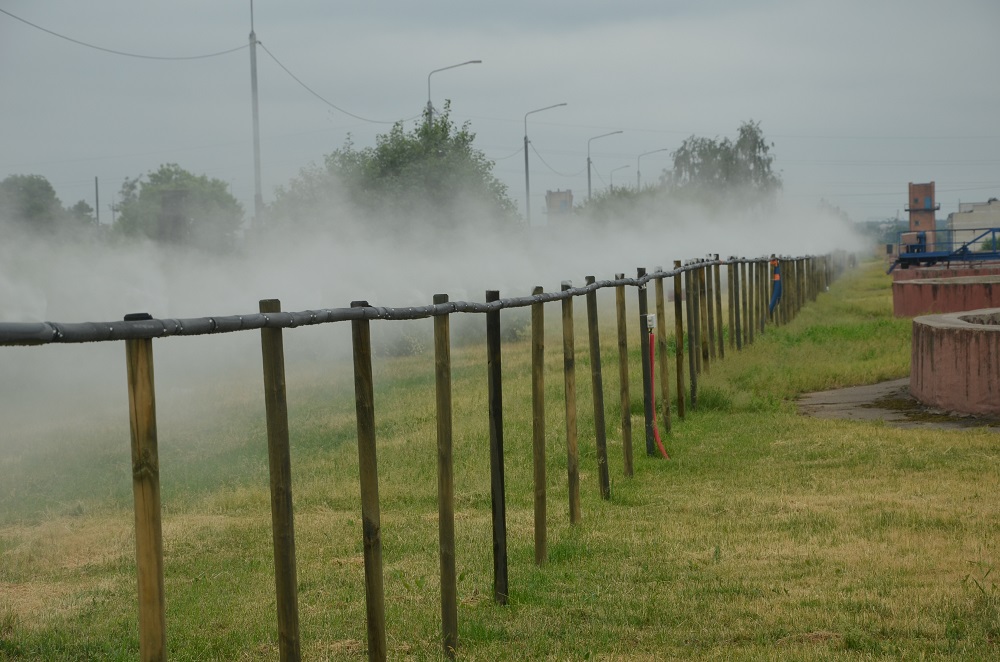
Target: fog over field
58, 279
102, 92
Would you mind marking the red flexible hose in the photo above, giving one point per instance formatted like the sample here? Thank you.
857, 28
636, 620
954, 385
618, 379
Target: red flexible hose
652, 398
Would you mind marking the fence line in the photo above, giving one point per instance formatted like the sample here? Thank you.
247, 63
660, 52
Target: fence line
700, 297
41, 333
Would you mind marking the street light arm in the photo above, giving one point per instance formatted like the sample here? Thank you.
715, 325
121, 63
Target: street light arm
603, 135
460, 64
639, 158
588, 156
538, 110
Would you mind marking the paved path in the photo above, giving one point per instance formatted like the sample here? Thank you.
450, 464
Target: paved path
888, 401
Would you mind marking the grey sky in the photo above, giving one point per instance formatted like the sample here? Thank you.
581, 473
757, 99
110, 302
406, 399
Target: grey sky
859, 97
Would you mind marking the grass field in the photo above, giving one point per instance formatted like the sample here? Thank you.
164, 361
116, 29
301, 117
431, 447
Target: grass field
767, 535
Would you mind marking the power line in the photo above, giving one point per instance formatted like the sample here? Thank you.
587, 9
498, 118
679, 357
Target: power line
512, 154
317, 95
561, 174
114, 52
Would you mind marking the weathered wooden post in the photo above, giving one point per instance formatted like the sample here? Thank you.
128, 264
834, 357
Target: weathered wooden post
498, 497
597, 384
146, 494
538, 422
709, 304
280, 466
737, 299
733, 304
689, 287
745, 305
623, 378
800, 281
697, 328
761, 282
446, 480
718, 307
661, 346
647, 369
569, 381
753, 296
371, 526
679, 336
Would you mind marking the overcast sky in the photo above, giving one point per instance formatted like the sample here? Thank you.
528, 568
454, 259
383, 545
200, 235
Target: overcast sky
858, 96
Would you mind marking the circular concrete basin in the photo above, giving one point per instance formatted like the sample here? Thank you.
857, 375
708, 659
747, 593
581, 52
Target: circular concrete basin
955, 361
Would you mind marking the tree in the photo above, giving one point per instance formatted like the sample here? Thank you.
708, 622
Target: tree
30, 200
429, 176
704, 167
174, 206
83, 213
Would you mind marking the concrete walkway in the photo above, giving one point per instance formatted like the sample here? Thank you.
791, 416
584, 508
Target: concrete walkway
888, 401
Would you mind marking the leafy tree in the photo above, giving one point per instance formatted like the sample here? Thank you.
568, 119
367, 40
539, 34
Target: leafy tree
431, 175
174, 206
31, 201
705, 166
83, 213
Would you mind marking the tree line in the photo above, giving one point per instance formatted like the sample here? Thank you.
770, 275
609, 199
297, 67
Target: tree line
427, 179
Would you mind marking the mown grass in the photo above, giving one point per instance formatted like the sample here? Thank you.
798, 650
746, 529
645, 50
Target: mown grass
768, 535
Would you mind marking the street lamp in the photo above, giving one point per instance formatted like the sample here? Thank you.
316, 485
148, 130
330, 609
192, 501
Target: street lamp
588, 157
527, 185
638, 173
430, 107
613, 175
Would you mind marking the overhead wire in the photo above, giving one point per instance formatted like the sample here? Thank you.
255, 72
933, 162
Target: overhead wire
512, 154
318, 96
561, 174
123, 53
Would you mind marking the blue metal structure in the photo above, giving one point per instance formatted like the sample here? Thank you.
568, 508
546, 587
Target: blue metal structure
916, 249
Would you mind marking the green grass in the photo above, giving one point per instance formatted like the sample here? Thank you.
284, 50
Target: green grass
768, 535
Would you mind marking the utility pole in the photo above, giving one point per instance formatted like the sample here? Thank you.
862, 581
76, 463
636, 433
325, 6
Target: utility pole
527, 182
258, 198
97, 202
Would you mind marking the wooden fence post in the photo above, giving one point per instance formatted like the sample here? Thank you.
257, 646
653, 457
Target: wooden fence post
538, 422
696, 330
280, 467
709, 304
744, 304
623, 378
569, 380
734, 305
597, 384
371, 526
718, 308
146, 494
753, 295
692, 336
661, 346
647, 369
446, 480
498, 497
679, 336
761, 278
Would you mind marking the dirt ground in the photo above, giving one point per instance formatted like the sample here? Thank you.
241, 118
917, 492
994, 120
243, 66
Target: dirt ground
888, 401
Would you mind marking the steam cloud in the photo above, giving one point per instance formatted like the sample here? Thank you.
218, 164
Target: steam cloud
325, 265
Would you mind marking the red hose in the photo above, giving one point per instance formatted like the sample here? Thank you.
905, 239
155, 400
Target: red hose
656, 431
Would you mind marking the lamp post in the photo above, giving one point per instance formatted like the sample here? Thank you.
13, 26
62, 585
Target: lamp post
638, 173
527, 184
588, 157
613, 175
430, 107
